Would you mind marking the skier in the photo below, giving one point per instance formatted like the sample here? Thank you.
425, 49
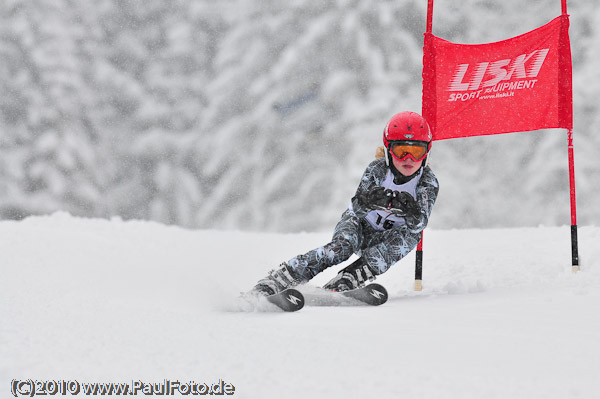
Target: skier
384, 220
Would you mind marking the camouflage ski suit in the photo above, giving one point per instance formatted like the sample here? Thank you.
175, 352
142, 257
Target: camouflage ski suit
379, 237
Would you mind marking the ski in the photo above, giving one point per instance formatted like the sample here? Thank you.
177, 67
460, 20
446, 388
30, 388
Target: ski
292, 300
289, 300
373, 294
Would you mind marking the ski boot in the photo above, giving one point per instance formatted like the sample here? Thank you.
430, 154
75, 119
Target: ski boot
351, 277
278, 280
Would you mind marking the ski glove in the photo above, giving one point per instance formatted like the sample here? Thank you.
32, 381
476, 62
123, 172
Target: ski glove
379, 198
403, 204
400, 203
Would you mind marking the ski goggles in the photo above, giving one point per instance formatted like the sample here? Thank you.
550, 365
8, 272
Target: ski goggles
416, 150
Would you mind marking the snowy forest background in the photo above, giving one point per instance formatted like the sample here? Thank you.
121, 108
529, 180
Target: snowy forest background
262, 115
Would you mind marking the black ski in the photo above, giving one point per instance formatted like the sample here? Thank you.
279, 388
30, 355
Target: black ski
373, 294
289, 300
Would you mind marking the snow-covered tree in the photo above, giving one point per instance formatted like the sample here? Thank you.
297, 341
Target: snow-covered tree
262, 115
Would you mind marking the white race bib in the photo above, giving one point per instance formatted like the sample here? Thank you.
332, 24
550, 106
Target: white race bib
385, 220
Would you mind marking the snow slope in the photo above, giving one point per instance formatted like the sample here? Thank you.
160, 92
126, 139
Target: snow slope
501, 315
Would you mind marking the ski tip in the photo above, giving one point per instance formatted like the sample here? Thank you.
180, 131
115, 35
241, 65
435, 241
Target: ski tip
373, 294
290, 300
378, 293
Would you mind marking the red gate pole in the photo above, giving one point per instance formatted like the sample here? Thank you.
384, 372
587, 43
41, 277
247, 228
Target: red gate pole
430, 16
419, 266
574, 243
419, 253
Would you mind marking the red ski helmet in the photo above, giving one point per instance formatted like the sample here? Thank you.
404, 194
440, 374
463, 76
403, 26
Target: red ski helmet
407, 127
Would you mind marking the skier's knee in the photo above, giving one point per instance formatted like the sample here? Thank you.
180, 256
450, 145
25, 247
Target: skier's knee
347, 243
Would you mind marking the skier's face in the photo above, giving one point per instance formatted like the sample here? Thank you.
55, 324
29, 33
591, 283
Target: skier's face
407, 166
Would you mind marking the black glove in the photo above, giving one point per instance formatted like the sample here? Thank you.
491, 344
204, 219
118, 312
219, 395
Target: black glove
399, 203
403, 204
379, 198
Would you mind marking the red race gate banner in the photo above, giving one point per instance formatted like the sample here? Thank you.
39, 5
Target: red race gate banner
515, 85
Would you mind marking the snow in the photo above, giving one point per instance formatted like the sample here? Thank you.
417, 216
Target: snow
501, 314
